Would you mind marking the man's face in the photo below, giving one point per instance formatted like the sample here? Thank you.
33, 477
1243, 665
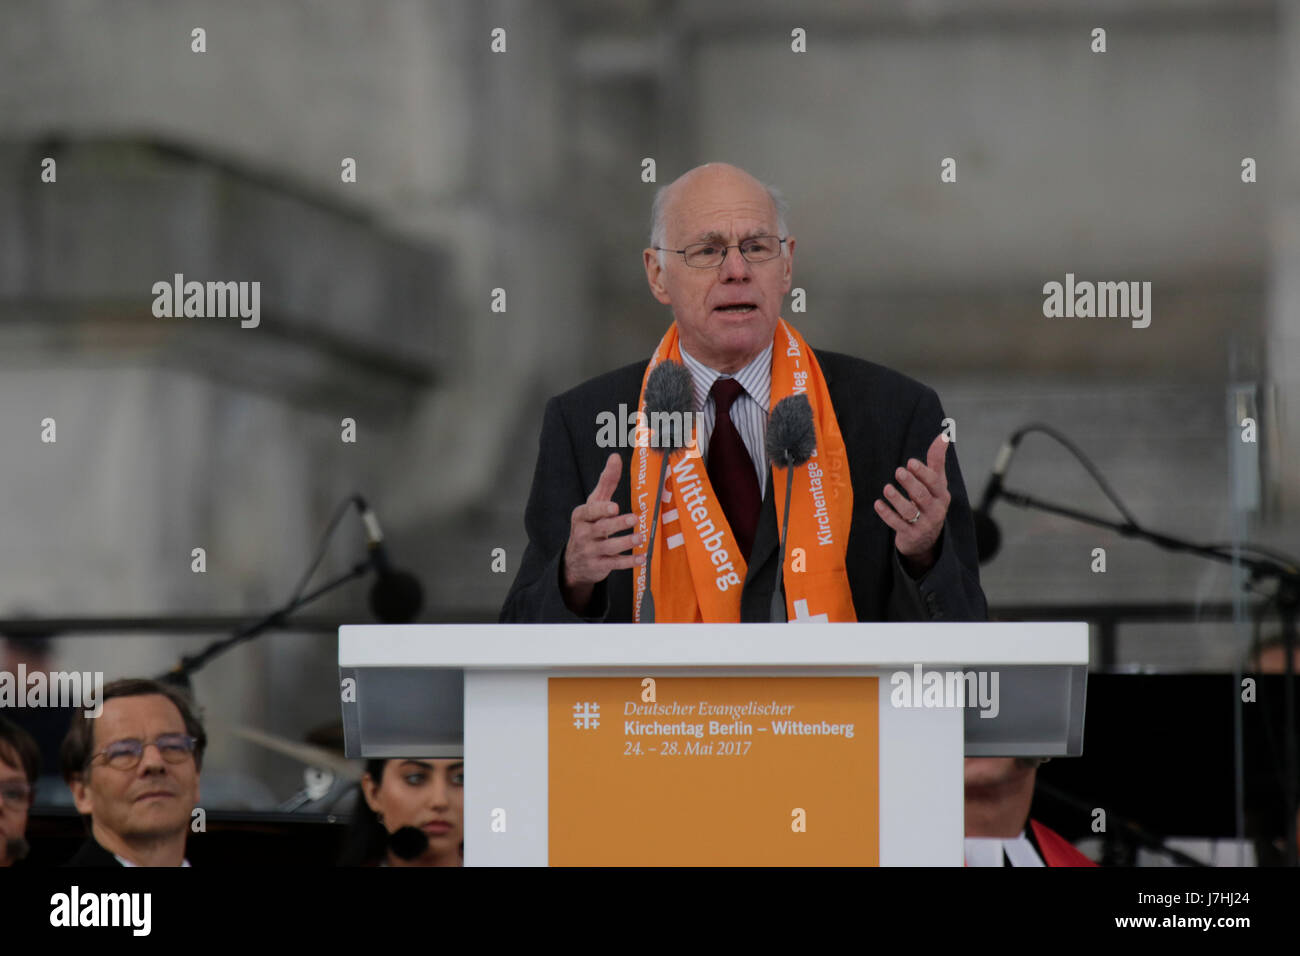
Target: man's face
985, 772
154, 798
725, 206
13, 814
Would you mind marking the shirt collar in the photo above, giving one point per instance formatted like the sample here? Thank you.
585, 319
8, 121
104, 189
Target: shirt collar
128, 863
987, 851
755, 378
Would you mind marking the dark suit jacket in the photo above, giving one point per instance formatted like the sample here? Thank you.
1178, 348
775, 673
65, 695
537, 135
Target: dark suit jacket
885, 417
91, 854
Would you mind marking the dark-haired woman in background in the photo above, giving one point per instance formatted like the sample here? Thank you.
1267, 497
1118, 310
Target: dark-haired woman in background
409, 814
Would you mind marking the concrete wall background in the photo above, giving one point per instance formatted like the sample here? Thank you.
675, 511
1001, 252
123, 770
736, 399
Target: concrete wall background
522, 171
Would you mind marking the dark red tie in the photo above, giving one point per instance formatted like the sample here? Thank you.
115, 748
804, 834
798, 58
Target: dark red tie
730, 468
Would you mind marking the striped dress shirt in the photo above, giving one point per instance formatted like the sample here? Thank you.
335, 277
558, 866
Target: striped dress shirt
748, 411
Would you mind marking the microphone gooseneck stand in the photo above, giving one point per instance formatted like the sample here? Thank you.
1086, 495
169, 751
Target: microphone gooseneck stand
648, 598
190, 664
667, 398
1287, 597
777, 613
1134, 832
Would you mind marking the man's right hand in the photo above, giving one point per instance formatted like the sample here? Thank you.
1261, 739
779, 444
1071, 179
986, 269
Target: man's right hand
591, 552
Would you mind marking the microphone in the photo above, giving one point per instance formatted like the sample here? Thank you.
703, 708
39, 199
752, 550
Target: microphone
791, 440
988, 537
396, 597
669, 397
16, 849
408, 843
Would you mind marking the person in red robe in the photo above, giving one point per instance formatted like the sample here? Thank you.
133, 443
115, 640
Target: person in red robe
999, 791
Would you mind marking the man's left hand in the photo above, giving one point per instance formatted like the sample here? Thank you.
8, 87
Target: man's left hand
927, 499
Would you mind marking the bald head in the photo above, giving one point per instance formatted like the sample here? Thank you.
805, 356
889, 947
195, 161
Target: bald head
709, 178
726, 313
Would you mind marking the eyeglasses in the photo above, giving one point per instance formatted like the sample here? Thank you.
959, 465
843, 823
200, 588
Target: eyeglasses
126, 754
708, 255
16, 796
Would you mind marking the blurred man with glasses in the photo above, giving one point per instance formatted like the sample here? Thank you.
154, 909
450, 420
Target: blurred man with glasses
134, 772
19, 767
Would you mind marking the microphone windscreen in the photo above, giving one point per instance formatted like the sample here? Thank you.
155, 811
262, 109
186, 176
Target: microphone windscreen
16, 848
408, 843
396, 597
669, 401
791, 436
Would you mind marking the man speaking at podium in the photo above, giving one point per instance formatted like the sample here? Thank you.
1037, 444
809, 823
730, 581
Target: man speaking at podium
880, 525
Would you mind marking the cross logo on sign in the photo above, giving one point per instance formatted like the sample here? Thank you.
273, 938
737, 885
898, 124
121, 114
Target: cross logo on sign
586, 715
801, 614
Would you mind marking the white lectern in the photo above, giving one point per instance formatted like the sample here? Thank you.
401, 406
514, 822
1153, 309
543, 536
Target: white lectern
701, 721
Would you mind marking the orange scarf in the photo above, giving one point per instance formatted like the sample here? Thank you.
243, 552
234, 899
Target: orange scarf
697, 570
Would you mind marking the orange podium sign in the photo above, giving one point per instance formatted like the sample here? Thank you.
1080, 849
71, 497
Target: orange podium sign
714, 771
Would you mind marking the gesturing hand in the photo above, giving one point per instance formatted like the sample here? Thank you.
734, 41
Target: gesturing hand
918, 522
591, 553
